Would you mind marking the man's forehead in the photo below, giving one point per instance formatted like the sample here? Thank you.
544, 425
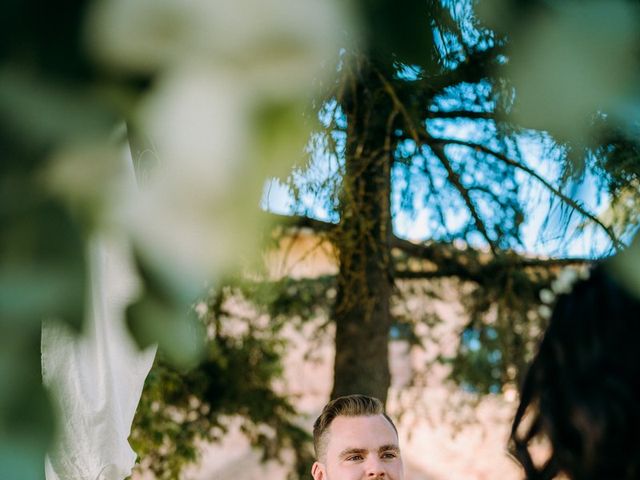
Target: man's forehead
360, 432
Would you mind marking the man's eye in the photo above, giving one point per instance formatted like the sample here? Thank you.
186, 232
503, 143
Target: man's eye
389, 455
354, 458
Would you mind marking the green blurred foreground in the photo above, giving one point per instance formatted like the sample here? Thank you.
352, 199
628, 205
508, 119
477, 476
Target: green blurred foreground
424, 107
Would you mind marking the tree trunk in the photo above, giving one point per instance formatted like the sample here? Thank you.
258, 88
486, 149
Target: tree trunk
361, 312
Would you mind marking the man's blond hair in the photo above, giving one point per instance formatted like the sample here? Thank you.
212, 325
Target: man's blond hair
347, 406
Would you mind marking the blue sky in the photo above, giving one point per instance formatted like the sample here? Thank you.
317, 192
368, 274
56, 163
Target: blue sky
543, 232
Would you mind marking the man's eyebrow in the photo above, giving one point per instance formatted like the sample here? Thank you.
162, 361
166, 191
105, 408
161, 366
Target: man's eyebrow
389, 447
351, 450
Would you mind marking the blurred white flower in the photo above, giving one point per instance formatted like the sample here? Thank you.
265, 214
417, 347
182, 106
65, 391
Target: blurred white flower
198, 212
565, 281
279, 43
188, 238
201, 309
547, 296
224, 110
562, 285
545, 311
143, 36
198, 120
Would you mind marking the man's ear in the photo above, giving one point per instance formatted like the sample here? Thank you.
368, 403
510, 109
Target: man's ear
317, 471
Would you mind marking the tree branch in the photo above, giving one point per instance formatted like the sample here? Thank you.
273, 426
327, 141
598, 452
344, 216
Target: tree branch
400, 107
448, 261
470, 264
460, 114
431, 141
300, 221
472, 70
454, 178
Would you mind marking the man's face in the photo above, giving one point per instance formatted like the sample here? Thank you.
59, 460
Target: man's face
360, 448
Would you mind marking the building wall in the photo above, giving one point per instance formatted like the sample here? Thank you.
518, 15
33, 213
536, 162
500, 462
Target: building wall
446, 433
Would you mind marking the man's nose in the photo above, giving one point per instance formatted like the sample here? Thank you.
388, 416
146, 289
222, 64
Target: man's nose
375, 469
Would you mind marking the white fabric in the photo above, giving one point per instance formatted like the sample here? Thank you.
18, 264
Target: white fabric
96, 379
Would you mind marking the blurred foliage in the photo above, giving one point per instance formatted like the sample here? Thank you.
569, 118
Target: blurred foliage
71, 75
234, 386
574, 66
42, 264
479, 366
71, 72
156, 317
504, 328
290, 299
